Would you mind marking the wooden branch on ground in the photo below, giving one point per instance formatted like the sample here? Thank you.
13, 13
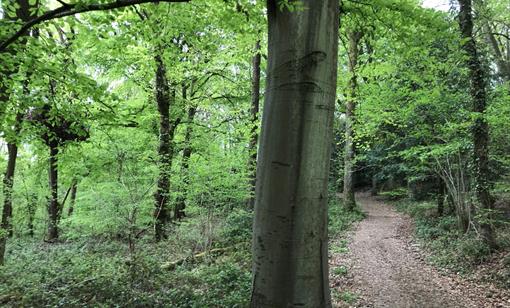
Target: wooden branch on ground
216, 251
72, 9
200, 256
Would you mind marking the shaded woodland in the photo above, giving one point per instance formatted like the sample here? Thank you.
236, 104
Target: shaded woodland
206, 153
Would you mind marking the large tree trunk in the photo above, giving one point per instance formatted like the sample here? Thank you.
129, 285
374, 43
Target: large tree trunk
8, 182
480, 127
165, 99
180, 205
163, 96
255, 99
53, 206
290, 265
353, 53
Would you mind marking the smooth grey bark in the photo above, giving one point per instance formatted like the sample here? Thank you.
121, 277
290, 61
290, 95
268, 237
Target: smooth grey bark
290, 243
480, 127
254, 111
350, 106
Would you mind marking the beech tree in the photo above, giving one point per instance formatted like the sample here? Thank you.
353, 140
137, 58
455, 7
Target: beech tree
168, 96
290, 266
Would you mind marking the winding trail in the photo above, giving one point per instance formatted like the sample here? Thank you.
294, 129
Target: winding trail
384, 268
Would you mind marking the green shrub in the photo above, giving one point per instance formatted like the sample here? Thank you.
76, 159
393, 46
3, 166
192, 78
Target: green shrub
449, 248
104, 274
395, 194
339, 218
238, 226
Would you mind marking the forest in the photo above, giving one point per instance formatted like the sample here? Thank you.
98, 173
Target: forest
248, 153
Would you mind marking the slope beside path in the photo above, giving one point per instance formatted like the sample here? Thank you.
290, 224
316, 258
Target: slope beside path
385, 268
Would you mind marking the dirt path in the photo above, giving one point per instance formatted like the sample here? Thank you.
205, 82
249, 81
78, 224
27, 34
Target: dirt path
383, 267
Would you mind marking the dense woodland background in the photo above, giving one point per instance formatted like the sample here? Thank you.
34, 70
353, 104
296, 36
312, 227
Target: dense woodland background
134, 134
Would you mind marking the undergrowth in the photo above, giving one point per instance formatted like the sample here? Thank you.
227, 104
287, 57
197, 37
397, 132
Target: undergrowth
103, 272
340, 219
450, 248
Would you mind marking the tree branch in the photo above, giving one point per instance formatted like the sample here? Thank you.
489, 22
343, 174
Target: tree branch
72, 9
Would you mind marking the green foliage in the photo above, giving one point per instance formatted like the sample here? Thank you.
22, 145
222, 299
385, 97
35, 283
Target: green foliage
346, 297
395, 194
75, 273
339, 218
447, 246
238, 226
340, 270
95, 72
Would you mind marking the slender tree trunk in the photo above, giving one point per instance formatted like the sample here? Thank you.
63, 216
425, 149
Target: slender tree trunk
74, 188
480, 127
163, 96
8, 182
502, 63
374, 189
180, 206
255, 99
31, 208
53, 206
290, 243
441, 193
353, 53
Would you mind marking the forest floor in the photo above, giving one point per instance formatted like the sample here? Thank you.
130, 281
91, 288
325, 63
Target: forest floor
382, 266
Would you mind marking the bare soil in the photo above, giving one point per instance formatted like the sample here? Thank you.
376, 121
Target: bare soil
384, 267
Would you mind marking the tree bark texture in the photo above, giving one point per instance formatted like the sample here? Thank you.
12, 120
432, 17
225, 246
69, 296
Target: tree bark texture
353, 53
74, 188
290, 266
480, 126
255, 101
163, 96
165, 99
8, 182
180, 205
